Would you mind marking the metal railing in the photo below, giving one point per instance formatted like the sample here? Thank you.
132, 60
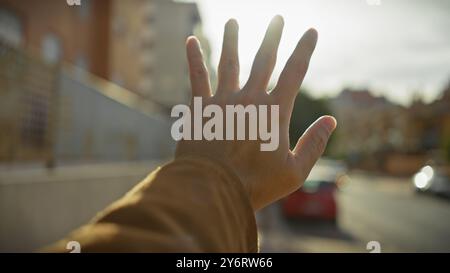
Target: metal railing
27, 104
52, 113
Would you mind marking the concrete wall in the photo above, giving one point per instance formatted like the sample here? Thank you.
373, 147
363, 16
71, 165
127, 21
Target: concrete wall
38, 207
96, 121
92, 125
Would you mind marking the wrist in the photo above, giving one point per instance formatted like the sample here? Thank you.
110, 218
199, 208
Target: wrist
228, 169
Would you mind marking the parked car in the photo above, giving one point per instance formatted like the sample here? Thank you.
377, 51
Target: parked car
316, 198
433, 179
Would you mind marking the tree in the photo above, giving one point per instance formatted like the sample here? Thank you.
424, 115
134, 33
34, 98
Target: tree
306, 111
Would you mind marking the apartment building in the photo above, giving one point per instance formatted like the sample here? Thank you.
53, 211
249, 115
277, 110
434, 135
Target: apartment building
137, 44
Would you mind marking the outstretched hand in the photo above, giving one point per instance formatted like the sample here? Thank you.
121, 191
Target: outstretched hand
266, 175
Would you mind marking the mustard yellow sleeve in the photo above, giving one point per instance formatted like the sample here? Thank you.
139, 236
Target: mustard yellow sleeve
189, 205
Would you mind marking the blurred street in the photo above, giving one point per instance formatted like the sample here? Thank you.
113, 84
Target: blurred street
370, 208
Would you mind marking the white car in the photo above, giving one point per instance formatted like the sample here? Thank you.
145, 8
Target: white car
433, 179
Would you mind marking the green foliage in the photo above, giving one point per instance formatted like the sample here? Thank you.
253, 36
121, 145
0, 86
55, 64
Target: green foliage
306, 111
446, 148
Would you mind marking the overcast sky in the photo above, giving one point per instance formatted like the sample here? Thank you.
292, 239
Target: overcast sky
396, 48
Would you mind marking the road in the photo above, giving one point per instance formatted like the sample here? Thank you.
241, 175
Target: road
371, 208
38, 207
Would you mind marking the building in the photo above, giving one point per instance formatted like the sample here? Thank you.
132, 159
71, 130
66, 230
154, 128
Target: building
377, 134
138, 44
57, 32
147, 47
366, 122
370, 128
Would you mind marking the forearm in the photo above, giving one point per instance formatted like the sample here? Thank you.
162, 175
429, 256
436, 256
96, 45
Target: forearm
189, 205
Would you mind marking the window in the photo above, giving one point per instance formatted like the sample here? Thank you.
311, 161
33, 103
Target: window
51, 48
10, 28
85, 9
82, 62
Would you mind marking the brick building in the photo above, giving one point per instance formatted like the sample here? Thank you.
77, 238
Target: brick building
56, 31
138, 44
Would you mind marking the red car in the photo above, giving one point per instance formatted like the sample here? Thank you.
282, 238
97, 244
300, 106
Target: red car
316, 199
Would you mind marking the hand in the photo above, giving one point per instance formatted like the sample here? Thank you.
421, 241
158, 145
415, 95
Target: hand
266, 176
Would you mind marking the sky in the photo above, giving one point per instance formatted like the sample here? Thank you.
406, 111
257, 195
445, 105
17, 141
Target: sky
397, 48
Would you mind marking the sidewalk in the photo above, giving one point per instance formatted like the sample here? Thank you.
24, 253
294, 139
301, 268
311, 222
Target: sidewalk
34, 173
39, 206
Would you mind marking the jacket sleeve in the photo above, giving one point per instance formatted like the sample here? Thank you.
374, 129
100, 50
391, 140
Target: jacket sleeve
192, 204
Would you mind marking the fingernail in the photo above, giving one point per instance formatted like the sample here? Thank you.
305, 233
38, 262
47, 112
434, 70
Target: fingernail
232, 23
329, 123
313, 32
189, 39
193, 41
278, 19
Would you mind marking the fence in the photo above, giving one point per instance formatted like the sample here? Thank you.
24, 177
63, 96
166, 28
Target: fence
49, 114
60, 114
27, 93
100, 121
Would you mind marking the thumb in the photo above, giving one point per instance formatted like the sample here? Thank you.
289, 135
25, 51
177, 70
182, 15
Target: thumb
312, 144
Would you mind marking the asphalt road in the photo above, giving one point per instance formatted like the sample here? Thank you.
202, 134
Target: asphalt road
371, 208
